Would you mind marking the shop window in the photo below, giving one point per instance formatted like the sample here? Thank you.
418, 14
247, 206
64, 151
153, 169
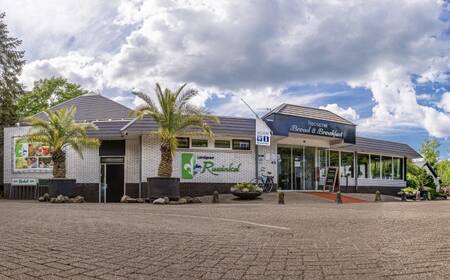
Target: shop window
222, 144
375, 166
183, 142
239, 144
347, 164
334, 158
397, 162
199, 143
387, 167
363, 166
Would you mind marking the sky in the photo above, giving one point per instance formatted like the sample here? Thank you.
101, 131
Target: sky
384, 65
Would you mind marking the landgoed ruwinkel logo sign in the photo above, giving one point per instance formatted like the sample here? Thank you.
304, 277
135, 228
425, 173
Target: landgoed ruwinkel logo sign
192, 166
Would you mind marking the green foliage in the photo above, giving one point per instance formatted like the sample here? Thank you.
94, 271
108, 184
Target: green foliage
409, 191
246, 187
443, 171
47, 93
174, 115
417, 176
11, 63
60, 131
429, 150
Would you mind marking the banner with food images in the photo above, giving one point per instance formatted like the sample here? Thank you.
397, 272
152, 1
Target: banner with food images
31, 156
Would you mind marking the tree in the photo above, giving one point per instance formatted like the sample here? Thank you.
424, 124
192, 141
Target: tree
443, 171
47, 93
11, 63
430, 152
59, 132
174, 115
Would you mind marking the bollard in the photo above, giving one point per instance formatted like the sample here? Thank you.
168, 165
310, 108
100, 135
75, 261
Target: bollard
215, 197
403, 196
338, 197
377, 196
280, 197
418, 196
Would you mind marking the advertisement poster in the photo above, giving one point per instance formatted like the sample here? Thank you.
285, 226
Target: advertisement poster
31, 156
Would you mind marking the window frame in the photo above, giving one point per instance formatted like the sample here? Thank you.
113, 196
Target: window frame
199, 147
223, 148
240, 149
188, 142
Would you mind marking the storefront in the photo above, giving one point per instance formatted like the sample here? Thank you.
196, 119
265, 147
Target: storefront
300, 146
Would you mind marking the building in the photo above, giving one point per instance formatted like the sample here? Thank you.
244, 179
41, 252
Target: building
304, 142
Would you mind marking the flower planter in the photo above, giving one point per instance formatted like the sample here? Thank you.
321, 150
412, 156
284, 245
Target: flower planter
62, 186
247, 195
163, 187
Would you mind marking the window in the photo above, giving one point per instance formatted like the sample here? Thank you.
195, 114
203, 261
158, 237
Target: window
334, 158
347, 164
363, 166
183, 142
241, 144
222, 144
199, 143
398, 168
387, 167
375, 166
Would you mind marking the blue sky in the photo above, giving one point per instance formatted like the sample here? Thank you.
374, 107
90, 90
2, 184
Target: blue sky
384, 65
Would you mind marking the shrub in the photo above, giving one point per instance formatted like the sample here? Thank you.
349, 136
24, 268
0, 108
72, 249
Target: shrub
409, 191
246, 187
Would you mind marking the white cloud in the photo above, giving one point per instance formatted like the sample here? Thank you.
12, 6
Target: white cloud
75, 67
445, 102
349, 113
252, 49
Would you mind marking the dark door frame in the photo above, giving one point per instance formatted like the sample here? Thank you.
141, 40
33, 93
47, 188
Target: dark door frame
105, 174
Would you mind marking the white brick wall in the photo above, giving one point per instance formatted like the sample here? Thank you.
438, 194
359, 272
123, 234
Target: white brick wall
84, 171
151, 157
267, 160
132, 161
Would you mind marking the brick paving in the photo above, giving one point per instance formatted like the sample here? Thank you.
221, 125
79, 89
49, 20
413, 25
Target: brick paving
304, 239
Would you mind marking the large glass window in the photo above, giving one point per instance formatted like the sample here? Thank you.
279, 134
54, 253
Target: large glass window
334, 158
387, 167
398, 166
375, 166
363, 166
347, 164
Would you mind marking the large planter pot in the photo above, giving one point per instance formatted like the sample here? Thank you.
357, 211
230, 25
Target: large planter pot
163, 187
247, 195
65, 187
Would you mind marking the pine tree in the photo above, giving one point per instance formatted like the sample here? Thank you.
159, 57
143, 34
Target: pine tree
11, 63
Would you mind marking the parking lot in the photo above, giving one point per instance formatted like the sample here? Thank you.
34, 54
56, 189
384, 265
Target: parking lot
307, 238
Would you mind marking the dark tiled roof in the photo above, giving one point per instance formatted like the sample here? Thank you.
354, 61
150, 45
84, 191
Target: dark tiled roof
108, 129
367, 145
308, 112
91, 107
227, 125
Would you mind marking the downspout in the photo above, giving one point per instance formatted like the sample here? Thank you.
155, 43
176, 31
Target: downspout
356, 171
256, 161
140, 166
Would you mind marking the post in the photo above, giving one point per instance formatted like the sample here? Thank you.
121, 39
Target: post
280, 197
338, 197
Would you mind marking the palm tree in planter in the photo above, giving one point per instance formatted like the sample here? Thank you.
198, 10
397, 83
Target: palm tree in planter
59, 132
175, 116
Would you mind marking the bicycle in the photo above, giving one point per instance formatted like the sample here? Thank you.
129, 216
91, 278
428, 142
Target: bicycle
265, 182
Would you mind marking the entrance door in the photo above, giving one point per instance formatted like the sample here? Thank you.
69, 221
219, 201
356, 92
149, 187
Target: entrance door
299, 170
284, 168
112, 172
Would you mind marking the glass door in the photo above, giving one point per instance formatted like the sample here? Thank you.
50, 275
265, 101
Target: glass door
310, 168
297, 155
284, 168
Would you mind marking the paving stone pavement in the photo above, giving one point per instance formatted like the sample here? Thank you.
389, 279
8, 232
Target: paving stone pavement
261, 240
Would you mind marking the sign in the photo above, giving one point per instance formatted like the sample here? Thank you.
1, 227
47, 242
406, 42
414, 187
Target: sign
193, 166
24, 182
331, 182
31, 156
263, 133
284, 124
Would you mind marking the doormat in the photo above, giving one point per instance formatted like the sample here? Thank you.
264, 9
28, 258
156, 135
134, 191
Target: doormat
332, 196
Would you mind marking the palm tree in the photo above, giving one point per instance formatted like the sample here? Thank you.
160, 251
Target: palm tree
59, 132
174, 115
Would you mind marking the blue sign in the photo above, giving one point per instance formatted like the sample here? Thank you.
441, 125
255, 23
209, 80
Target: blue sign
284, 124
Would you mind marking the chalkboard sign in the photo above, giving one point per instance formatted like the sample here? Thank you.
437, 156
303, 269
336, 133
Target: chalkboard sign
331, 179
